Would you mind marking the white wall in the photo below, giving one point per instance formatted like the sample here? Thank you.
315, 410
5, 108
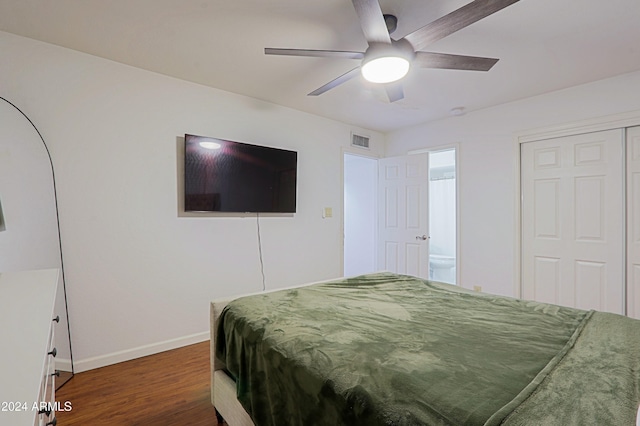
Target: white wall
139, 277
487, 168
360, 206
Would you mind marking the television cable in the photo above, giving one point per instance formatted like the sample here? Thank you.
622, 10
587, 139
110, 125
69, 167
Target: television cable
264, 284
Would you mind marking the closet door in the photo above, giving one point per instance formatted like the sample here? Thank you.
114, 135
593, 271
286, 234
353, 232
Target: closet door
573, 221
633, 222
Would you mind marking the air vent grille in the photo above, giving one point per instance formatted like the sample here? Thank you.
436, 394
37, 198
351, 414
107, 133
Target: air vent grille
359, 141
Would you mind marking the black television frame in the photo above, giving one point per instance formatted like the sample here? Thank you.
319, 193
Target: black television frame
238, 177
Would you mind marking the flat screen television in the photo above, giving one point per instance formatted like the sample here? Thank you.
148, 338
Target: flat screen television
227, 176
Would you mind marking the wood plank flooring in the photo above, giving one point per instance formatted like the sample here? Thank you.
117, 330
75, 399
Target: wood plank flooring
165, 389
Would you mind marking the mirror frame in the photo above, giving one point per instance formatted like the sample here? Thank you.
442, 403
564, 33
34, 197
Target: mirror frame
65, 376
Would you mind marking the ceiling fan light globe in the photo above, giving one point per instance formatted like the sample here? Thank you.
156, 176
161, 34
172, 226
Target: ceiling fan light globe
386, 69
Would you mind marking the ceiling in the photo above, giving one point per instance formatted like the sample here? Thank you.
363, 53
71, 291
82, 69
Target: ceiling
543, 45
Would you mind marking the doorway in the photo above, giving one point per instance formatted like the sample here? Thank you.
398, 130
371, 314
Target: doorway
442, 216
361, 217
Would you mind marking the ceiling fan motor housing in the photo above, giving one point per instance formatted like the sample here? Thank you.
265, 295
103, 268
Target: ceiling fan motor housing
401, 48
391, 21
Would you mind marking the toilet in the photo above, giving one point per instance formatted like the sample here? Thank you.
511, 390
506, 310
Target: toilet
442, 268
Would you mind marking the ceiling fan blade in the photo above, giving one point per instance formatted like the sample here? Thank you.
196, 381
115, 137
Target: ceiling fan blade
372, 21
394, 91
454, 21
453, 62
336, 82
314, 53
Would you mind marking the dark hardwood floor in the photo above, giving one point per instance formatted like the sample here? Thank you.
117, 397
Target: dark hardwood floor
166, 389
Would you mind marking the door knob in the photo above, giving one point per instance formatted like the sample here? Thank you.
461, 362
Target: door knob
421, 237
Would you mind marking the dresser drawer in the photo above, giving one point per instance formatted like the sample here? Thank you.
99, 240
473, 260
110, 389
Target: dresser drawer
27, 300
46, 398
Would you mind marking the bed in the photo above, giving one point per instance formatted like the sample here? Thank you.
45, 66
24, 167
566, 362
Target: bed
388, 349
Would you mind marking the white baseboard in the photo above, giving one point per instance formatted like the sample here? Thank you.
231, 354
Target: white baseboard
129, 354
63, 364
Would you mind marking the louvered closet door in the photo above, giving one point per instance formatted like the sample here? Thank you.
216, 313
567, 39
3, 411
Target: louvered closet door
573, 221
633, 222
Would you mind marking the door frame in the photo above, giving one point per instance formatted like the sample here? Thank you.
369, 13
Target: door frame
608, 122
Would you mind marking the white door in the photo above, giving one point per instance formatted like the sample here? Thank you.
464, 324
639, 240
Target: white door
573, 221
403, 215
633, 222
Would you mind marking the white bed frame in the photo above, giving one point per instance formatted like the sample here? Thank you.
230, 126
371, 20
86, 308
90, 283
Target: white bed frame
223, 388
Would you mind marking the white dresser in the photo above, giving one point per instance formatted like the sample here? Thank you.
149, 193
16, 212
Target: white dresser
27, 325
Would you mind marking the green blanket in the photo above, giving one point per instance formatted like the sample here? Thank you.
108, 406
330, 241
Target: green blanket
386, 349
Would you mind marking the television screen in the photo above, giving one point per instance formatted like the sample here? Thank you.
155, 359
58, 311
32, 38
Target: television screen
227, 176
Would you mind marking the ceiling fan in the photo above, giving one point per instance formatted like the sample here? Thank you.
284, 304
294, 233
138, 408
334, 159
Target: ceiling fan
387, 60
